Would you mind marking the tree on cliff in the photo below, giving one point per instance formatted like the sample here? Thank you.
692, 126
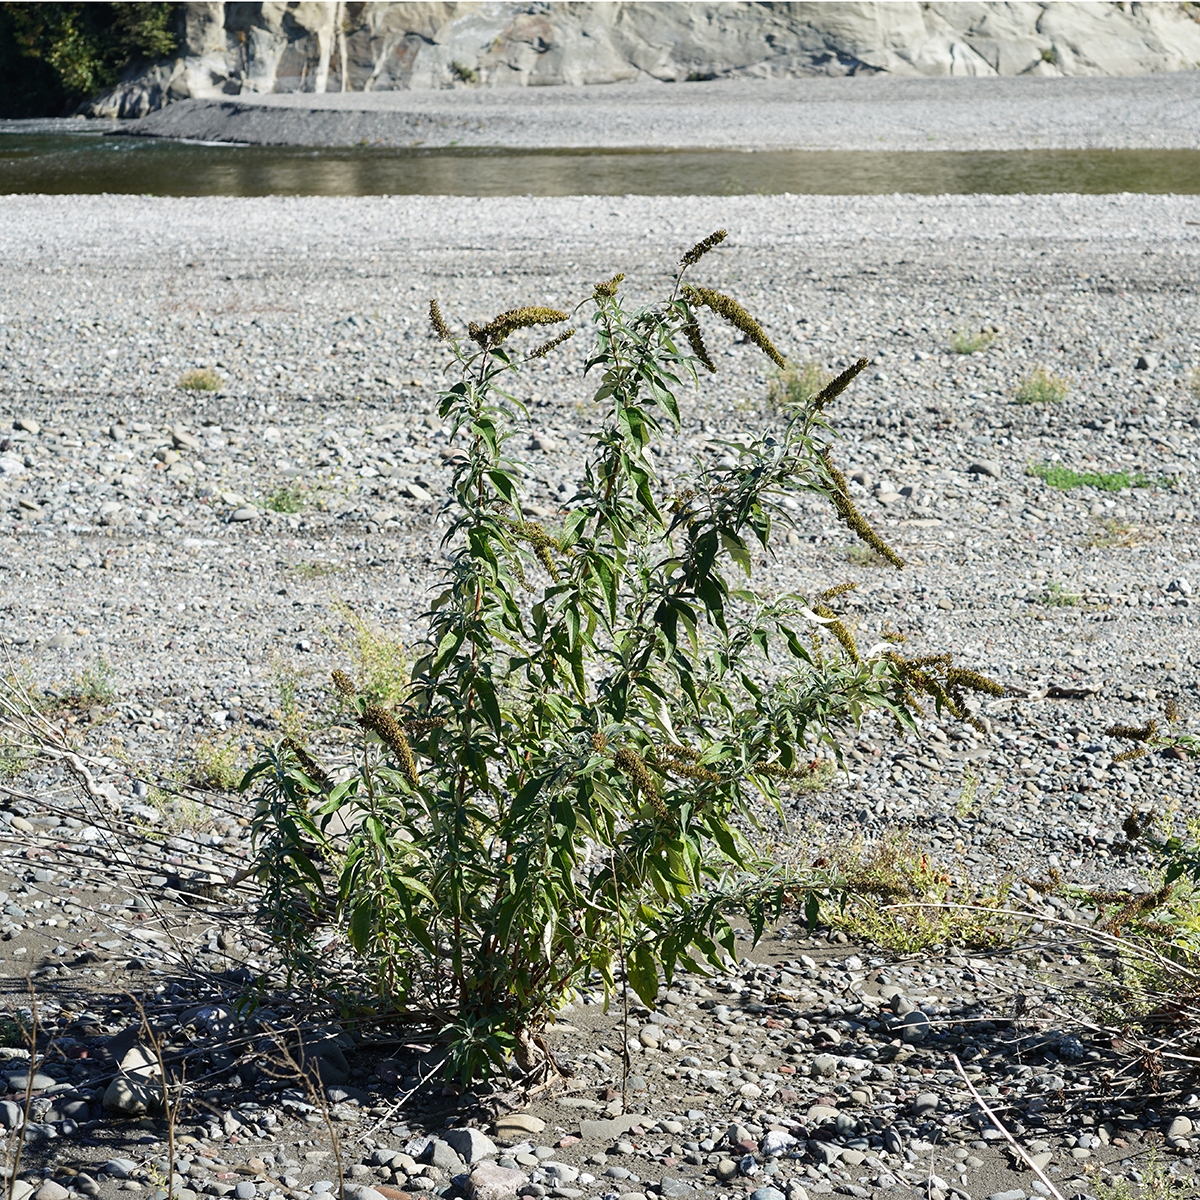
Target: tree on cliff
52, 56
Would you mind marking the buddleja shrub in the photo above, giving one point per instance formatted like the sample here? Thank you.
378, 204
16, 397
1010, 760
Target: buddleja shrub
598, 708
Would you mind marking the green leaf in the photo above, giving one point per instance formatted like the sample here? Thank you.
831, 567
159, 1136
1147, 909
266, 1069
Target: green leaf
643, 974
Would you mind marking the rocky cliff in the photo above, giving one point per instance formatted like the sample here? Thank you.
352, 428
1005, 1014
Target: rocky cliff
235, 49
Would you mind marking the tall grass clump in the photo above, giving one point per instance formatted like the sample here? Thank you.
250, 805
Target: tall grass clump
595, 711
205, 380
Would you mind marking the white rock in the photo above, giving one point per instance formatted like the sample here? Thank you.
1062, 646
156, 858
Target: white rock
470, 1145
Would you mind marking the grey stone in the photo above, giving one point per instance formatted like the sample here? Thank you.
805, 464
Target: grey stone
488, 1181
1180, 1126
824, 1152
132, 1097
914, 1028
470, 1145
726, 1169
513, 1125
674, 1189
245, 1190
561, 1172
19, 1083
12, 1114
119, 1168
86, 1185
414, 491
1146, 362
925, 1105
184, 440
767, 1193
606, 1130
246, 513
893, 1143
28, 424
440, 1154
824, 1066
360, 1191
985, 466
1011, 1194
50, 1190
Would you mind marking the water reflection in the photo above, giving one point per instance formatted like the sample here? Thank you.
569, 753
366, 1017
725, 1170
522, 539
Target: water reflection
87, 163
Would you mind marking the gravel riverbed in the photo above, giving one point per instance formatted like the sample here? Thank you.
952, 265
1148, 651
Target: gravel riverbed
140, 551
884, 113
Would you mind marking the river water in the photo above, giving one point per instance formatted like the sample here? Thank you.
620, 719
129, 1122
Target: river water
36, 158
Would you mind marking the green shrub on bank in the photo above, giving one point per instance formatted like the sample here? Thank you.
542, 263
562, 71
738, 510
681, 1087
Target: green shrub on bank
52, 56
597, 708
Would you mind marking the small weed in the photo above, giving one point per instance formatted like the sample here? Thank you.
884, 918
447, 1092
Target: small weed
967, 797
1040, 387
201, 381
1064, 478
317, 569
1154, 1181
92, 686
287, 680
217, 764
1111, 534
1057, 596
286, 500
1194, 383
176, 811
14, 1033
797, 383
821, 773
971, 341
463, 73
1050, 55
381, 664
895, 896
861, 555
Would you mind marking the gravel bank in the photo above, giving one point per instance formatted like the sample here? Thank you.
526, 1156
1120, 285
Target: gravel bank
882, 113
137, 532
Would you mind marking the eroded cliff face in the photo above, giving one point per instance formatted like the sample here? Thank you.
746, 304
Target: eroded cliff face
276, 46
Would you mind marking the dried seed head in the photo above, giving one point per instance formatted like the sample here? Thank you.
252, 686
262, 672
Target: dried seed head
499, 327
1171, 709
851, 517
730, 310
309, 764
839, 631
546, 347
700, 249
840, 590
422, 725
696, 340
1134, 733
973, 681
631, 764
608, 287
344, 684
1130, 754
835, 387
435, 319
599, 741
380, 722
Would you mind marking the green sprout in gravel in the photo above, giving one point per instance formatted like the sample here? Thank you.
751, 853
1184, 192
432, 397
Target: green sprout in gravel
797, 383
1064, 478
286, 500
971, 341
1041, 387
1057, 596
201, 381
